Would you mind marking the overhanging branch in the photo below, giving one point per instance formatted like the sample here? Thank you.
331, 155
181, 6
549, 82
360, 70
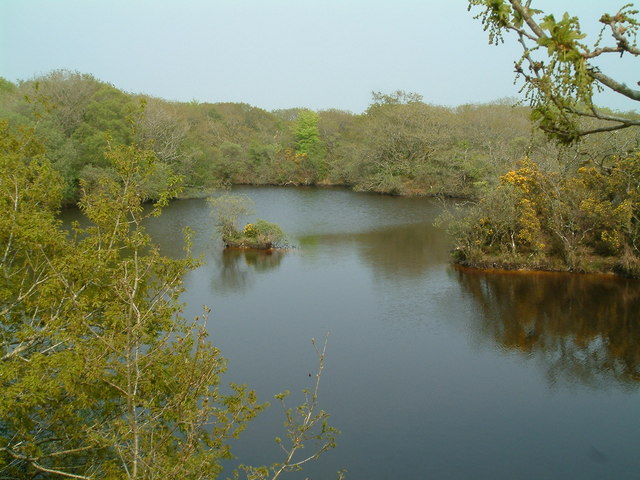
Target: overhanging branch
614, 85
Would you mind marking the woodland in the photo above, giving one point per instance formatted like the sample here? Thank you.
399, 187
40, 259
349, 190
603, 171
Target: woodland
553, 204
101, 375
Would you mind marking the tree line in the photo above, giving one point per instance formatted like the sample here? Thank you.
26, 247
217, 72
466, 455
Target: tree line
399, 145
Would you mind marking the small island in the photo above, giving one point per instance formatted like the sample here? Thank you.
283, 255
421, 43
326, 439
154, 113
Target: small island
259, 235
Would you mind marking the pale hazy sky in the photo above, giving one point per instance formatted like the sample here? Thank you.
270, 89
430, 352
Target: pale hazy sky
275, 53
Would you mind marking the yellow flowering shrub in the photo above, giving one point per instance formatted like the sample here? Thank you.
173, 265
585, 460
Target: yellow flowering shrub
249, 230
584, 220
527, 177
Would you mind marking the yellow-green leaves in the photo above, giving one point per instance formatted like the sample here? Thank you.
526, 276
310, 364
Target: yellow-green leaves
558, 77
101, 375
556, 220
495, 16
500, 12
563, 37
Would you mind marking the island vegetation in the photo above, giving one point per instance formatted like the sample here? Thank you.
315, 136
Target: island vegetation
102, 376
260, 235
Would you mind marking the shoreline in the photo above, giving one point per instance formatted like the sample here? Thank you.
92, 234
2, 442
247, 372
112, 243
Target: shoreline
515, 268
490, 265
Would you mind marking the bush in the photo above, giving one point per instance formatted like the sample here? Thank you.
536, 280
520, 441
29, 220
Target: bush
261, 234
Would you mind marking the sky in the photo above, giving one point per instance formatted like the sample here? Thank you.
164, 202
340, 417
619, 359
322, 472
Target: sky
277, 54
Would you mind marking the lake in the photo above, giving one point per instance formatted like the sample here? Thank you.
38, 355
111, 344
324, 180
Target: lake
431, 371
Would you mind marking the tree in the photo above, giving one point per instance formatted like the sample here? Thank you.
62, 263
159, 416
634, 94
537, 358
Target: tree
560, 76
227, 209
68, 94
303, 425
587, 221
308, 147
399, 97
159, 128
408, 147
101, 376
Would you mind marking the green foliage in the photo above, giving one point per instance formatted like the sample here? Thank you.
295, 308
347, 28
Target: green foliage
262, 234
309, 150
399, 97
398, 146
6, 86
101, 375
585, 221
556, 65
106, 119
563, 38
306, 132
227, 210
579, 215
413, 148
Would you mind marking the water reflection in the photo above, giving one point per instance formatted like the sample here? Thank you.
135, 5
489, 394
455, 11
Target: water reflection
584, 329
236, 267
395, 251
410, 395
404, 251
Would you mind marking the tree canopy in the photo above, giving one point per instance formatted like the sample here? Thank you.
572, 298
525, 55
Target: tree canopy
101, 375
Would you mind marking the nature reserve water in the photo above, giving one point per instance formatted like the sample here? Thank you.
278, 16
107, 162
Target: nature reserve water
432, 372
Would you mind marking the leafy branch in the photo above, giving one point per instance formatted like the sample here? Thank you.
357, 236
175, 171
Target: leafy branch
304, 424
556, 65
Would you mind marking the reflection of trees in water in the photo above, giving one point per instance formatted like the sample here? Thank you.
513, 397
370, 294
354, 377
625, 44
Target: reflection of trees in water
404, 251
584, 328
237, 267
396, 251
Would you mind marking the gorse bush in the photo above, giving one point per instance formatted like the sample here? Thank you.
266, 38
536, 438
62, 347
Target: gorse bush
545, 219
264, 233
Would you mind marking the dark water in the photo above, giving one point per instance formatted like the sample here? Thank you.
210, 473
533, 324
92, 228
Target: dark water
432, 372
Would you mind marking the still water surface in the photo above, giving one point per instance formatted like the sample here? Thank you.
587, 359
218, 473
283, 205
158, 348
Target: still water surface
431, 372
